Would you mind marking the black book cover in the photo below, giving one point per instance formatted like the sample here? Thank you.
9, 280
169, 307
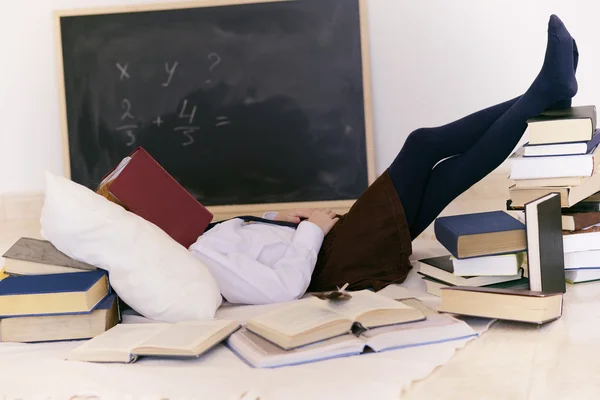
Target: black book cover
579, 112
443, 262
545, 244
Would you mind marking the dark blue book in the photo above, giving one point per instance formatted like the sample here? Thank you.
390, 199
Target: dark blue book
481, 234
58, 327
52, 294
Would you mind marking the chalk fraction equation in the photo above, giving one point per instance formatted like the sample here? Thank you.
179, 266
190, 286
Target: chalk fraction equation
187, 126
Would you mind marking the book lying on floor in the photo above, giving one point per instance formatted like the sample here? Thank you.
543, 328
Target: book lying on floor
586, 240
508, 304
579, 221
562, 149
52, 294
582, 275
501, 265
442, 269
312, 320
545, 256
481, 234
434, 286
39, 257
51, 328
436, 328
582, 259
126, 342
144, 187
573, 124
553, 167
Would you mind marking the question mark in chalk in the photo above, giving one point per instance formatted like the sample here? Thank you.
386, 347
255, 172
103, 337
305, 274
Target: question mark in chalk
217, 61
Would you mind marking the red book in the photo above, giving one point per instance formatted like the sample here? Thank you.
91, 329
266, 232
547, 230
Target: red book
145, 188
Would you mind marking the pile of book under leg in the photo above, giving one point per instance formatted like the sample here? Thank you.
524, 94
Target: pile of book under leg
485, 273
562, 156
48, 296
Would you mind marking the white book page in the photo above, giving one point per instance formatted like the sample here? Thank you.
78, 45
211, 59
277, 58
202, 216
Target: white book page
436, 328
122, 338
185, 335
261, 353
117, 171
362, 302
298, 317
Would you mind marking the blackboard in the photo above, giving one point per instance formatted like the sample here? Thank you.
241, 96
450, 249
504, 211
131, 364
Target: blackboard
244, 104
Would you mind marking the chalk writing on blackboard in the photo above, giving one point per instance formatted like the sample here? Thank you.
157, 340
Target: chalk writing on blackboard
183, 114
222, 121
187, 132
128, 128
278, 72
123, 69
129, 131
158, 121
170, 71
126, 104
216, 60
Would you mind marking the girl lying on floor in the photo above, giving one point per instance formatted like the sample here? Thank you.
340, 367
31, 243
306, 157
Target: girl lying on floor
370, 246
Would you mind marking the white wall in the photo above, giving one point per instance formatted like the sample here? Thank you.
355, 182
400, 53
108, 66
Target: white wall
433, 61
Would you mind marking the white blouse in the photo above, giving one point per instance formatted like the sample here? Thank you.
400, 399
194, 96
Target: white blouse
256, 263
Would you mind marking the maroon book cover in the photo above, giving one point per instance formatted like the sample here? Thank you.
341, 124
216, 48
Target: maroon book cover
147, 189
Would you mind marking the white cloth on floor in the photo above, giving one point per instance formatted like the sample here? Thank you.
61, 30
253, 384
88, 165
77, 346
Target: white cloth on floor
40, 371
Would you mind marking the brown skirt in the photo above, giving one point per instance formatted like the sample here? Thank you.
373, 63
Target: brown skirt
370, 246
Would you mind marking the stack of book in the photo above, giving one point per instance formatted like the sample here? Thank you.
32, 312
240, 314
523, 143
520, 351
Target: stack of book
546, 271
562, 156
48, 296
487, 249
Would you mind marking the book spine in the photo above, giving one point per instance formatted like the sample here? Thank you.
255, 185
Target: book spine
552, 267
584, 207
446, 237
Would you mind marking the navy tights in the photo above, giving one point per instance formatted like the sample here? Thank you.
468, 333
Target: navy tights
436, 165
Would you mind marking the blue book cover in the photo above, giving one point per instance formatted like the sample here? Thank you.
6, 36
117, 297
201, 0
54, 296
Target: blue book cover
448, 230
591, 145
47, 284
106, 303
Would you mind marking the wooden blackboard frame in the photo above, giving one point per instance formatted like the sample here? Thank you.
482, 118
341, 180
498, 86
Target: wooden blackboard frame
225, 211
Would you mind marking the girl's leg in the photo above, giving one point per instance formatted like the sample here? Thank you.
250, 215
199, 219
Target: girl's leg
555, 84
425, 147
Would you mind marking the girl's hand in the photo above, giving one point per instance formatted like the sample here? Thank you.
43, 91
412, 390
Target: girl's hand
294, 216
324, 219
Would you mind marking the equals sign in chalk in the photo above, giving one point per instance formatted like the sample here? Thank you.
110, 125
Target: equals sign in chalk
222, 121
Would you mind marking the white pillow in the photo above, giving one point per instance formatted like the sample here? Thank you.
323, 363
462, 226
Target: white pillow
149, 270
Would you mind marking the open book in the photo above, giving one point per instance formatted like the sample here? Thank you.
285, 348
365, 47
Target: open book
437, 328
125, 342
311, 320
